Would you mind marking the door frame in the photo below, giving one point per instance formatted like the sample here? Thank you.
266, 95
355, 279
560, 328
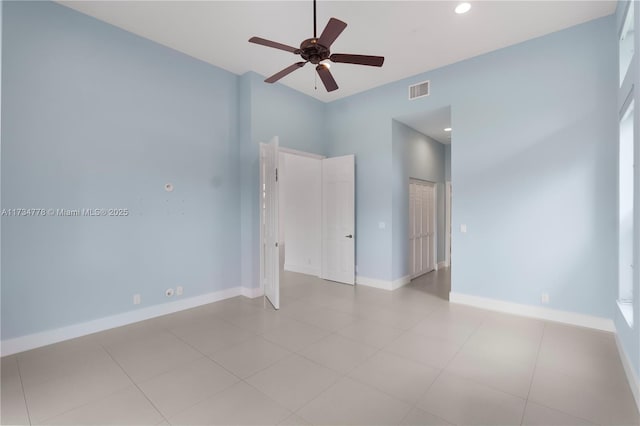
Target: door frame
263, 226
281, 150
447, 223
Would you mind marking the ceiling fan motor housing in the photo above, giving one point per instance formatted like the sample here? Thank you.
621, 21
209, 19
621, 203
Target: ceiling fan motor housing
313, 52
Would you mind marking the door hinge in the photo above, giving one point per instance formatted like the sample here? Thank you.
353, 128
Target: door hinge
276, 244
276, 175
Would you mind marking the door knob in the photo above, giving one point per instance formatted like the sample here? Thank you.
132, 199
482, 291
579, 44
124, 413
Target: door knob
349, 236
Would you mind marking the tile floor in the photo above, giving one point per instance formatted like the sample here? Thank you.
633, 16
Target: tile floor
333, 354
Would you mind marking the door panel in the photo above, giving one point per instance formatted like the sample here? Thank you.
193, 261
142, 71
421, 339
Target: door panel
421, 227
269, 229
338, 219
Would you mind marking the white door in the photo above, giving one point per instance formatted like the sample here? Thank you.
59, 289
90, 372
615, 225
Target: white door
415, 229
421, 228
428, 236
269, 251
338, 219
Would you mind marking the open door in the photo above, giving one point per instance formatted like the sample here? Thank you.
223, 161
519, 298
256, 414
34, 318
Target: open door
338, 219
269, 251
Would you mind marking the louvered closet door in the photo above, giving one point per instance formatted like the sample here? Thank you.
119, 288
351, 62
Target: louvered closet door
412, 229
424, 227
418, 224
421, 228
428, 233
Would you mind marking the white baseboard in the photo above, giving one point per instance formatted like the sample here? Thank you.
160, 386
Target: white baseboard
43, 338
302, 269
400, 282
383, 284
634, 383
252, 292
441, 265
598, 323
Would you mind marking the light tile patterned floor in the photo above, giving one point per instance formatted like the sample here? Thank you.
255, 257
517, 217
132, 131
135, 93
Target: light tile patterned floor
334, 354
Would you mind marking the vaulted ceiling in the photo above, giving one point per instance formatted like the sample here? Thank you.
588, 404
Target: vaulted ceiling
414, 36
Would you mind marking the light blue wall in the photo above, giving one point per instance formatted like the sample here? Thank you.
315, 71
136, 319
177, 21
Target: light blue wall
533, 164
95, 117
420, 157
630, 337
274, 110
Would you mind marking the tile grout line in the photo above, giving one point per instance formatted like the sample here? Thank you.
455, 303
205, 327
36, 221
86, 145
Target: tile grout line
135, 384
240, 379
342, 376
339, 375
533, 375
97, 398
24, 395
442, 370
531, 385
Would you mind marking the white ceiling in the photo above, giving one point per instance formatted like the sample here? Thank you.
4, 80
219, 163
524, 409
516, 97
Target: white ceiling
414, 36
431, 123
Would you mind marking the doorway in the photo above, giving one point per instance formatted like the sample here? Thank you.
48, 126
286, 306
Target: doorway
423, 142
302, 193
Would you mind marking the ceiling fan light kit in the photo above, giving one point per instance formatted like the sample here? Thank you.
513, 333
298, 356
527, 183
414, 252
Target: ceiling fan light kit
317, 51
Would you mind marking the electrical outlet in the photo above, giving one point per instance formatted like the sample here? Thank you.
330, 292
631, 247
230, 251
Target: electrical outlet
168, 292
545, 298
179, 290
136, 299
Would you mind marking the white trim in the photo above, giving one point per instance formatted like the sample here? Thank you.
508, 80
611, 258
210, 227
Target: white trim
251, 292
372, 282
400, 282
383, 284
43, 338
441, 265
434, 249
634, 383
302, 269
598, 323
626, 310
301, 153
447, 222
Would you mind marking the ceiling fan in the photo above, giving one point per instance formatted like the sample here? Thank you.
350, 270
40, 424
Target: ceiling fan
316, 50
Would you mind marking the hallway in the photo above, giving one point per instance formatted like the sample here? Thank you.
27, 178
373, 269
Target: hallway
436, 283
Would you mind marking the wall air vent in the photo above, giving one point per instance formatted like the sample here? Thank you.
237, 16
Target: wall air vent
419, 90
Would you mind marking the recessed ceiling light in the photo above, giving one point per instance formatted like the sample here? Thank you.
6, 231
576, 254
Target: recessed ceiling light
448, 129
463, 8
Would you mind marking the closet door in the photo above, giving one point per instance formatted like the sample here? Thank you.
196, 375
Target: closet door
412, 229
421, 227
429, 232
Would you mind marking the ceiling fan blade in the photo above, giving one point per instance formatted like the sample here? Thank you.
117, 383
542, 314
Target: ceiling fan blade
331, 32
277, 76
373, 61
275, 45
326, 77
